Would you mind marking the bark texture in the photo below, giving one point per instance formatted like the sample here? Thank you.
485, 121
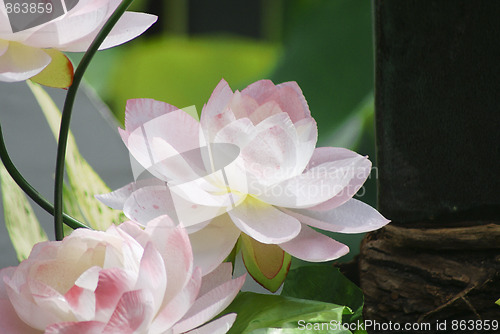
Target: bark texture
438, 155
413, 275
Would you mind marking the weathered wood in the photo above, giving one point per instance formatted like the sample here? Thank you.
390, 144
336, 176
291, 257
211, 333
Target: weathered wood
414, 282
438, 141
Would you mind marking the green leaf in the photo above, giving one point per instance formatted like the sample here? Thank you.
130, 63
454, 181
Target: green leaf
498, 302
257, 311
184, 71
324, 283
59, 73
83, 180
267, 264
20, 220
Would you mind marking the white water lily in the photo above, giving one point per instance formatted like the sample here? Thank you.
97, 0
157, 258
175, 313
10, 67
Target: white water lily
266, 180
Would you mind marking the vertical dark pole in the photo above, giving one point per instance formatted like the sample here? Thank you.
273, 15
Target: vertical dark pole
438, 137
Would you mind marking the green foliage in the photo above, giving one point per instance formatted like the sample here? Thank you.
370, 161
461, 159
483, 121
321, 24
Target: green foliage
257, 312
83, 180
20, 220
184, 71
324, 283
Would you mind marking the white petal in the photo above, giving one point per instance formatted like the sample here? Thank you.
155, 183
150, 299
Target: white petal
22, 62
315, 185
152, 275
175, 248
312, 246
127, 28
351, 217
271, 155
116, 199
307, 136
264, 222
70, 28
210, 304
361, 173
176, 308
212, 244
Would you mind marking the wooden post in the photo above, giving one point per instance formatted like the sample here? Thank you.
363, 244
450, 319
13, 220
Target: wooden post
438, 137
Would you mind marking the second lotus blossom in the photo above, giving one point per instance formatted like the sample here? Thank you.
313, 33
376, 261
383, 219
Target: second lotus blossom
250, 167
124, 280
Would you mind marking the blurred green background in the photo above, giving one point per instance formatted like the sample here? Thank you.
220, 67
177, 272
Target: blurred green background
324, 45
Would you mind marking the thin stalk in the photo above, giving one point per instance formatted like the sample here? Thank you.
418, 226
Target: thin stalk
66, 115
28, 188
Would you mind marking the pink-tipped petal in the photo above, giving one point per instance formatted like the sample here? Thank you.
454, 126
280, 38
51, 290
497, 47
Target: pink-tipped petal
132, 314
82, 327
9, 320
351, 217
312, 246
215, 114
207, 254
264, 222
219, 326
141, 111
20, 62
260, 90
294, 104
152, 275
288, 95
176, 308
175, 248
112, 284
271, 155
210, 304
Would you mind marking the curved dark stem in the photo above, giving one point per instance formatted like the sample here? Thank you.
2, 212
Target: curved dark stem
28, 188
66, 115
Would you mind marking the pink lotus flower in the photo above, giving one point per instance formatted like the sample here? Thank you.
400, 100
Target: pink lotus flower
22, 54
273, 186
124, 280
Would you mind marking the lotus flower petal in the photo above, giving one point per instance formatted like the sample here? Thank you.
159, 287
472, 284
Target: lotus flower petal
122, 280
313, 246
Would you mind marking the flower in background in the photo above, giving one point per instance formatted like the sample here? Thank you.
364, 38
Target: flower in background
26, 53
257, 175
124, 280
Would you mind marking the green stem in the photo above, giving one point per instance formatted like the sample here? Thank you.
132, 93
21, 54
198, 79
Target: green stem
28, 188
66, 115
